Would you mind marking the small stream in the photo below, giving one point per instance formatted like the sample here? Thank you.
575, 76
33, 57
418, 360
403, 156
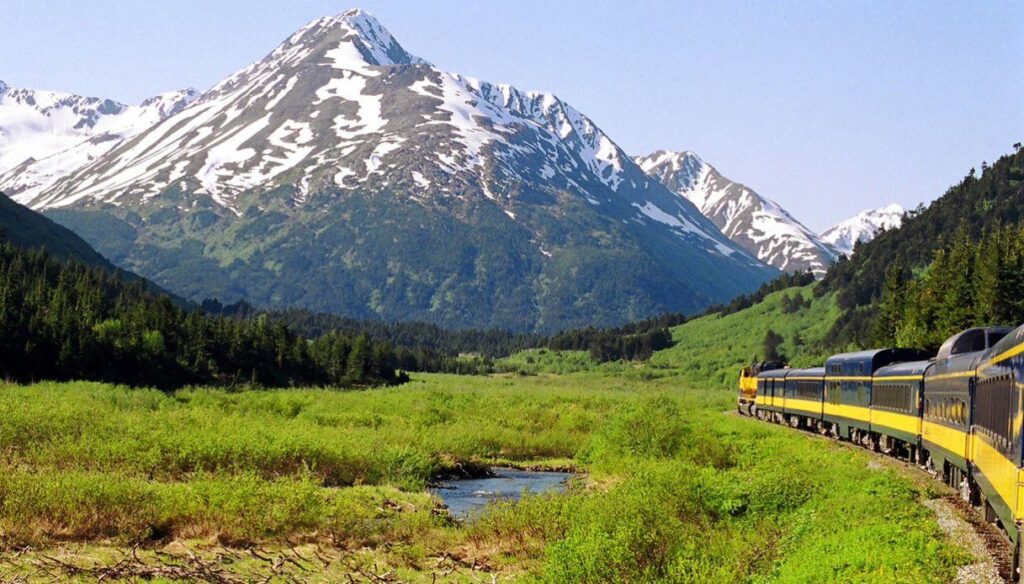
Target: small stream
464, 496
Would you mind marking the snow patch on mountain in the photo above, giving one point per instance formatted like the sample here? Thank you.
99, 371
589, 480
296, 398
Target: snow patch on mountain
863, 227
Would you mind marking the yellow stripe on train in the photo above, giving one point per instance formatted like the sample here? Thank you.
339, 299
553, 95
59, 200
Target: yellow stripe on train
1000, 472
896, 421
859, 413
1004, 356
950, 439
804, 406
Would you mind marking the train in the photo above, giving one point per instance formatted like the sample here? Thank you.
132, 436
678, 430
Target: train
958, 413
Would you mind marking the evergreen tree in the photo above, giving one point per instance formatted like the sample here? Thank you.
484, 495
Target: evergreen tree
70, 321
359, 359
891, 307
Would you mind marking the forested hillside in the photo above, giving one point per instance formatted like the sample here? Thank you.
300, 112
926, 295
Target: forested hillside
66, 320
787, 324
968, 212
969, 283
426, 347
25, 228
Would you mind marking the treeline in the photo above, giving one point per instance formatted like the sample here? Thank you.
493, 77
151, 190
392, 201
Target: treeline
995, 196
742, 302
632, 342
411, 335
970, 283
69, 321
424, 347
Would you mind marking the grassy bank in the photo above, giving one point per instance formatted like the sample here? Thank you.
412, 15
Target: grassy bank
673, 488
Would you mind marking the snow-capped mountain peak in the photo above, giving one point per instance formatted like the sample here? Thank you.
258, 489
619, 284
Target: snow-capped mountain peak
342, 154
45, 135
758, 224
863, 227
340, 101
679, 171
373, 41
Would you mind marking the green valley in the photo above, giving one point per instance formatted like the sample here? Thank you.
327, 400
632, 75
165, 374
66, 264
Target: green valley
669, 487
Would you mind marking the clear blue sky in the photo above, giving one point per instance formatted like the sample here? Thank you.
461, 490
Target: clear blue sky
828, 107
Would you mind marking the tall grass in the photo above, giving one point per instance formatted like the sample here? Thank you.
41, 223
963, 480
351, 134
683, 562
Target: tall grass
675, 490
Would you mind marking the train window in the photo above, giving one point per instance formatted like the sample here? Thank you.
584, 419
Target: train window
995, 402
994, 336
893, 396
969, 342
807, 390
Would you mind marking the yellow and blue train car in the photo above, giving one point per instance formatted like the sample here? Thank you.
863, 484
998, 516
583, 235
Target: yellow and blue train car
771, 397
848, 381
746, 403
804, 390
949, 387
996, 439
897, 399
960, 413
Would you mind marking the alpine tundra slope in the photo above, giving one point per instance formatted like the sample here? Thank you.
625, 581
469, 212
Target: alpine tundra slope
343, 174
958, 414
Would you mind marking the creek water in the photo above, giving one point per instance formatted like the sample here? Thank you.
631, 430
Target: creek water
464, 496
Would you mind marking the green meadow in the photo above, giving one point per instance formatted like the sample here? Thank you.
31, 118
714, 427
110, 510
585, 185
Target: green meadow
671, 485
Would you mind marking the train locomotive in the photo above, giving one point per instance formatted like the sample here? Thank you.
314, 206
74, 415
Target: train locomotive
959, 414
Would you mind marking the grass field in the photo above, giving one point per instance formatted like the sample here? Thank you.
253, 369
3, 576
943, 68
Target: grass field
672, 487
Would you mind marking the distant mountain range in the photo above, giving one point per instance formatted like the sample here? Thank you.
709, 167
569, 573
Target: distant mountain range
45, 135
343, 174
863, 227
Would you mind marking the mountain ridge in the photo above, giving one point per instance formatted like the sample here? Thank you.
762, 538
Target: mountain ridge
758, 224
30, 230
342, 174
45, 135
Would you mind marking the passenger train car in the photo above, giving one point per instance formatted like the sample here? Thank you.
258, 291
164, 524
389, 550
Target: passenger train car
959, 414
748, 384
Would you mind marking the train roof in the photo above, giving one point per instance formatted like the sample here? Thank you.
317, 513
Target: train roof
973, 340
877, 357
774, 373
915, 368
812, 372
1008, 342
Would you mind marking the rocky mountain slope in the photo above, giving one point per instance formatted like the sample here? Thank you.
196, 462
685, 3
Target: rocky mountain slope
759, 225
45, 135
343, 174
863, 227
